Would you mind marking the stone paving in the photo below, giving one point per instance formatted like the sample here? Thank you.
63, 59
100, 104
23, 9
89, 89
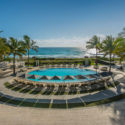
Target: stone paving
109, 114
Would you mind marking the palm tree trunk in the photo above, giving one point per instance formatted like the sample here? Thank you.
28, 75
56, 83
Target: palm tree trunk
28, 57
96, 60
110, 57
4, 56
120, 61
14, 72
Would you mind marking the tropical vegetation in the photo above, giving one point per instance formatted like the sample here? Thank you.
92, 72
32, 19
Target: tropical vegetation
4, 49
29, 44
109, 46
15, 48
93, 43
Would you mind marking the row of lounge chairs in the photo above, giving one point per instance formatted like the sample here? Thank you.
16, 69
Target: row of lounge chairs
62, 66
104, 68
26, 86
94, 78
96, 81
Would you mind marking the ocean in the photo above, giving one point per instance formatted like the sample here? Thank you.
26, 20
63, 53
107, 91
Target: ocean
58, 52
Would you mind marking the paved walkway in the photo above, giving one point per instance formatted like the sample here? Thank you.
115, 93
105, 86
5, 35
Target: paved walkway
110, 114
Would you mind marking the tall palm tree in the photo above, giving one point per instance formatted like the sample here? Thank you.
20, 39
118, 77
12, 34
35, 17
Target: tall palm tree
122, 34
93, 43
17, 49
120, 48
108, 47
29, 44
4, 49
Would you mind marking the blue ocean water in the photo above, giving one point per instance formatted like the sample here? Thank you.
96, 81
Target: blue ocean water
58, 52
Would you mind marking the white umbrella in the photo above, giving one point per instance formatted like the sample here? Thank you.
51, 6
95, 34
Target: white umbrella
33, 77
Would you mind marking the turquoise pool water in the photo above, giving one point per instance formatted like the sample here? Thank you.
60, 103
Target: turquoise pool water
61, 73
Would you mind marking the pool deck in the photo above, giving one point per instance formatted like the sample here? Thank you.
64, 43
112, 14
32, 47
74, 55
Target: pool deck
85, 97
107, 114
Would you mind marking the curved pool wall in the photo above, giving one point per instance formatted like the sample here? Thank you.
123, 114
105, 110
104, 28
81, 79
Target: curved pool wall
61, 72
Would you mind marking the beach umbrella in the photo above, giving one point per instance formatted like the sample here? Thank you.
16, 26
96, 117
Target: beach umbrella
33, 77
44, 77
56, 78
80, 77
68, 77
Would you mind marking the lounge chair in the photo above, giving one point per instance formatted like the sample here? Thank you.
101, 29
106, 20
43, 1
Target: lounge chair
49, 66
72, 66
91, 76
104, 68
78, 66
104, 74
61, 65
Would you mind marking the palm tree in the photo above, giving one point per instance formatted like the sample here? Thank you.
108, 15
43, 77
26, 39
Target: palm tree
29, 44
108, 47
122, 34
4, 49
17, 49
120, 48
93, 43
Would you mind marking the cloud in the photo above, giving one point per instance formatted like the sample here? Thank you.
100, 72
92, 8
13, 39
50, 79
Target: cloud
65, 42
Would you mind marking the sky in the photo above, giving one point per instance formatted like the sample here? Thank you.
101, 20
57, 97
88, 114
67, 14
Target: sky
61, 23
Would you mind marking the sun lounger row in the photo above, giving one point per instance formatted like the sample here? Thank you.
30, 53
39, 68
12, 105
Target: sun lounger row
44, 88
95, 81
104, 68
61, 66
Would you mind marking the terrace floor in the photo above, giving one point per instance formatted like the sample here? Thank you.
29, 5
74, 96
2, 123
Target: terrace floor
106, 114
109, 114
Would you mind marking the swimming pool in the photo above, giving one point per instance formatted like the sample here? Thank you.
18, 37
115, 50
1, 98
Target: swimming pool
61, 75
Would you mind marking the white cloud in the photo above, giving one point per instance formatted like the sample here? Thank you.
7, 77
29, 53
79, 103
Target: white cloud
65, 42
